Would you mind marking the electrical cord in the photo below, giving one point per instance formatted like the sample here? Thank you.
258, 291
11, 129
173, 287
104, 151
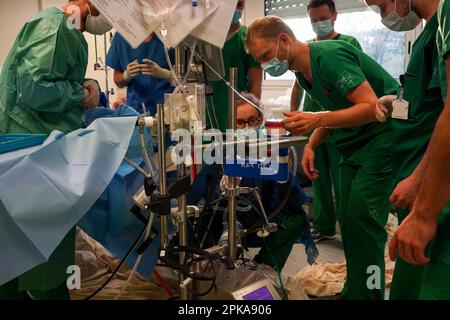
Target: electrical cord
130, 250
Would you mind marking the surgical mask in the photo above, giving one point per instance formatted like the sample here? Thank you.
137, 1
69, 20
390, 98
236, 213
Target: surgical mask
96, 25
251, 132
275, 67
323, 28
237, 17
394, 22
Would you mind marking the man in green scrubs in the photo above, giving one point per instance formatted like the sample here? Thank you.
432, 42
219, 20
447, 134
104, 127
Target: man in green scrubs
412, 133
423, 238
323, 15
42, 88
249, 73
348, 88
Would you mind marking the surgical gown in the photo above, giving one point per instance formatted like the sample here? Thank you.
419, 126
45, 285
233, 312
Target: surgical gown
41, 91
41, 81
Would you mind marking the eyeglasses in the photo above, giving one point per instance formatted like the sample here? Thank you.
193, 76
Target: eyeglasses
241, 124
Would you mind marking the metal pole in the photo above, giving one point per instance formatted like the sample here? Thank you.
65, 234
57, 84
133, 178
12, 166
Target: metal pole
182, 201
179, 67
106, 69
182, 230
162, 174
232, 221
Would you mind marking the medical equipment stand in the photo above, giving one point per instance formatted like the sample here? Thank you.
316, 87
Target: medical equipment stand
232, 190
181, 215
162, 174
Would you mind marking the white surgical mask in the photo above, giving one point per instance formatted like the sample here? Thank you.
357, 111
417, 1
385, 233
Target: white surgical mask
96, 25
394, 22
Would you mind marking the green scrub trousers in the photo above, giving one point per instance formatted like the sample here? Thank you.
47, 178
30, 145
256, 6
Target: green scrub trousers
326, 161
365, 185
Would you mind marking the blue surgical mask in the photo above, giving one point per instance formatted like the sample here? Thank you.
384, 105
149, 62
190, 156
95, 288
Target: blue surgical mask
237, 17
275, 67
251, 132
394, 22
323, 28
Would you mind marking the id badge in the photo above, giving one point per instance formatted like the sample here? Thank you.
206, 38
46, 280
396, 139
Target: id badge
400, 109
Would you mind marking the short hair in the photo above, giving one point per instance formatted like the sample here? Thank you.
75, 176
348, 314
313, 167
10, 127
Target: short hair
250, 97
269, 27
319, 3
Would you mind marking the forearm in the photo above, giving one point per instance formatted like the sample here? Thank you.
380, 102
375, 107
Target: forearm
318, 137
50, 96
357, 115
434, 192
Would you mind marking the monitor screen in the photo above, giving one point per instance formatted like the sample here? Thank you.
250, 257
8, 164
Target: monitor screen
262, 293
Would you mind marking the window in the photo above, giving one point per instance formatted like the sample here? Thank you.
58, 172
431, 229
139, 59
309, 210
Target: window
385, 46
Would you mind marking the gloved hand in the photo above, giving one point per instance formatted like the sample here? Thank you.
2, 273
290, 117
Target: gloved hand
133, 70
91, 97
383, 108
152, 69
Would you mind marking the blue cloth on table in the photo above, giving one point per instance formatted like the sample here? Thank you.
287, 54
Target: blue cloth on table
46, 189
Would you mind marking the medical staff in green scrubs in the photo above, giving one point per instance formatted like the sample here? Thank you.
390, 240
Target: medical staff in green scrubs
249, 73
412, 133
436, 279
323, 15
346, 82
42, 88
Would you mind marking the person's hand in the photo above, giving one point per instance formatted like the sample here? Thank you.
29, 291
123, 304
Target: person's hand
91, 97
152, 69
411, 239
383, 108
308, 163
405, 193
301, 122
133, 70
224, 182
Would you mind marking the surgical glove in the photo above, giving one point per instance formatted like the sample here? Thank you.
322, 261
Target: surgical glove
91, 97
133, 70
383, 108
152, 69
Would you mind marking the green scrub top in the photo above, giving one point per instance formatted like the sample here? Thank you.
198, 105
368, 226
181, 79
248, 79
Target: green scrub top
337, 68
41, 81
310, 105
422, 91
234, 56
443, 41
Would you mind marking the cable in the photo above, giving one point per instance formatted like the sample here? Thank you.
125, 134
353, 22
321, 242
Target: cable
230, 86
119, 266
164, 284
139, 258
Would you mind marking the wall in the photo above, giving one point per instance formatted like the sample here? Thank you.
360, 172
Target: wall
13, 14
